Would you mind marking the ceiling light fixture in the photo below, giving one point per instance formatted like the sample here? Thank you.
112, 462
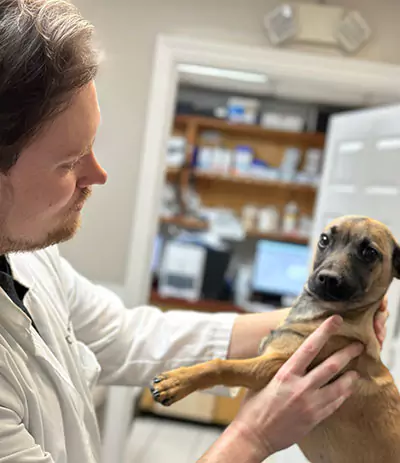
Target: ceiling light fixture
317, 24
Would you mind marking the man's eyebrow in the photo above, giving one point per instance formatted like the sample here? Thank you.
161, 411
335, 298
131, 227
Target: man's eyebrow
82, 152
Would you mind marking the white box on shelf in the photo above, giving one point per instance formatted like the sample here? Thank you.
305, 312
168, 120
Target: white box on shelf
176, 151
278, 121
243, 110
182, 270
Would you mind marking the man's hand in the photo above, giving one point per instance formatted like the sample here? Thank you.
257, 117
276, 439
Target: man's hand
380, 321
291, 405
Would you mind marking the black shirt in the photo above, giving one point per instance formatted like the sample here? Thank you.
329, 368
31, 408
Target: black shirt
14, 290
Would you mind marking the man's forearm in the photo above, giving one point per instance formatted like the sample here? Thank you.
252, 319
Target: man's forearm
249, 330
233, 447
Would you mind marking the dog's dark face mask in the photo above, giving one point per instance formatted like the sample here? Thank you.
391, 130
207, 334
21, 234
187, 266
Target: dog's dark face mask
355, 260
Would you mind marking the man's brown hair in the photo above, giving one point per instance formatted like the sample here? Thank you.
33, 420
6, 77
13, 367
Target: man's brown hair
46, 55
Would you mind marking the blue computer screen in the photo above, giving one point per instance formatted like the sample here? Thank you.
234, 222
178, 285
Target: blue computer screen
280, 268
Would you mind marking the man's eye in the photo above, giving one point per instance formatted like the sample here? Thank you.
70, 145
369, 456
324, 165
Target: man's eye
71, 165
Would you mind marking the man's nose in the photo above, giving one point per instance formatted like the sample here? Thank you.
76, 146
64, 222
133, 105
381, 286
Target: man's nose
92, 173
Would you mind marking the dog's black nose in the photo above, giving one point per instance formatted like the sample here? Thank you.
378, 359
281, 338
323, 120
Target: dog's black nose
330, 285
329, 280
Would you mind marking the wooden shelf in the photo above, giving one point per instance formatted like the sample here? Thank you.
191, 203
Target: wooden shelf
266, 183
173, 171
195, 224
185, 222
296, 138
285, 238
204, 305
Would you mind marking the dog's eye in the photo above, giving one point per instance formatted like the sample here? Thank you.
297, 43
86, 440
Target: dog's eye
370, 254
323, 241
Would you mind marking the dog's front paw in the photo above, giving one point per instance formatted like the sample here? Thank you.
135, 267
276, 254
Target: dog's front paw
168, 388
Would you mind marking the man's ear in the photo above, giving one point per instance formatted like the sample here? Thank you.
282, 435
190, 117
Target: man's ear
396, 261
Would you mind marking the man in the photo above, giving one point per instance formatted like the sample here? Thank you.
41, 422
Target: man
59, 333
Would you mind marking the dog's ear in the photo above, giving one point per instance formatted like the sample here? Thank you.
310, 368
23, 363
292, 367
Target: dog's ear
396, 261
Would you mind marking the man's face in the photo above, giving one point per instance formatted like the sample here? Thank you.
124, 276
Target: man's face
42, 195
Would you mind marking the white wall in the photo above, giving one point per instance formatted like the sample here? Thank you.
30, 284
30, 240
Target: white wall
127, 30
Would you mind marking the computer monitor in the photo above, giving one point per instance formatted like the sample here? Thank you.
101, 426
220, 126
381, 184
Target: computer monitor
280, 268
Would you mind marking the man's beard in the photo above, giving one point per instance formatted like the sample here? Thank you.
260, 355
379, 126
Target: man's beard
63, 232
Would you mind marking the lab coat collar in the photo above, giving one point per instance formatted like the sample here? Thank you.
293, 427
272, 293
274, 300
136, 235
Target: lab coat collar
21, 273
11, 315
13, 319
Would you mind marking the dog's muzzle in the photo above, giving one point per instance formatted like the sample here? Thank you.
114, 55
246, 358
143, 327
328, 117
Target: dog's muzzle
328, 285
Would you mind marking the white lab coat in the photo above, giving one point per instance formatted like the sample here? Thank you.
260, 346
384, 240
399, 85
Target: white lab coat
46, 410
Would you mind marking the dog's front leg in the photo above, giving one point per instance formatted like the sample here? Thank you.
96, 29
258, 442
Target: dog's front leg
255, 373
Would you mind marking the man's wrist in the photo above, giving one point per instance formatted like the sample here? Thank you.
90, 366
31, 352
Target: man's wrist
258, 448
236, 444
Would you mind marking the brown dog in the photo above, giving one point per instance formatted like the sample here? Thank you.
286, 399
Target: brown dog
355, 262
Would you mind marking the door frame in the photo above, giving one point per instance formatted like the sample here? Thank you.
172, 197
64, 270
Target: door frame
378, 78
170, 50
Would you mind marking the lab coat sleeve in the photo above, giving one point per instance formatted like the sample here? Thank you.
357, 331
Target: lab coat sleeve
17, 445
133, 345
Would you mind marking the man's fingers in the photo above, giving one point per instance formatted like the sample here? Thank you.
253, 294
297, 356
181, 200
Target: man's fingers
333, 365
327, 411
306, 353
381, 319
331, 397
343, 386
384, 304
382, 336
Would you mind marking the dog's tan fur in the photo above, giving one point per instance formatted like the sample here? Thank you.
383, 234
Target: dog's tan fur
366, 429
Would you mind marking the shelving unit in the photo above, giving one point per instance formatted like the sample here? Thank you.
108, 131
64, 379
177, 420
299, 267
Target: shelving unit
259, 182
293, 138
234, 191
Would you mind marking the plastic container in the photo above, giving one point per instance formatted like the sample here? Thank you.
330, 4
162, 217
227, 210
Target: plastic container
243, 110
290, 163
268, 219
305, 225
205, 158
290, 215
222, 160
312, 162
243, 159
249, 217
176, 151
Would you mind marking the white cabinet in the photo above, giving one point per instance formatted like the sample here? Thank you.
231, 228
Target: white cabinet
362, 176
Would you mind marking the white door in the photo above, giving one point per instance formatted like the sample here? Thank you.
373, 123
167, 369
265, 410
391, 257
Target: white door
361, 175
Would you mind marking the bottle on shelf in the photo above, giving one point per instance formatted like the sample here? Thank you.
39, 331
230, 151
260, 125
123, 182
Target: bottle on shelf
290, 214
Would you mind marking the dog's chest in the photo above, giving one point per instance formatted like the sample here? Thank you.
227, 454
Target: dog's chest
363, 430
